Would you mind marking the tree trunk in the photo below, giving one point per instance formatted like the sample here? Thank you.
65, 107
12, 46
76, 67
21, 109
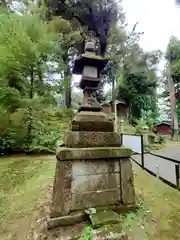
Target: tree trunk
31, 93
113, 88
67, 75
67, 90
172, 104
3, 3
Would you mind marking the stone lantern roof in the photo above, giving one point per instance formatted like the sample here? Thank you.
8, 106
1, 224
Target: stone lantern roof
89, 58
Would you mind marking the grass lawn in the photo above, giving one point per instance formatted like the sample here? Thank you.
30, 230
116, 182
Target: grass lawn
24, 182
159, 215
24, 186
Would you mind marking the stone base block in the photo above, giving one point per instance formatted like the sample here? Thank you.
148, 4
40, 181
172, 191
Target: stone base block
92, 177
92, 122
104, 217
65, 154
91, 139
94, 108
81, 216
68, 220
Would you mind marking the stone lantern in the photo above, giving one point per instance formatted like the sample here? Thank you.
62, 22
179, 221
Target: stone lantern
90, 66
92, 170
90, 117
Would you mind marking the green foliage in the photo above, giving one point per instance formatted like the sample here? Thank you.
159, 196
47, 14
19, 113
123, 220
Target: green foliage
47, 127
29, 122
33, 50
172, 74
86, 234
147, 119
137, 83
178, 109
27, 42
140, 123
141, 215
173, 57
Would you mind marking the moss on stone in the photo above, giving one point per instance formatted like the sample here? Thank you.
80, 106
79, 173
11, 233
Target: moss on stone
110, 232
114, 228
93, 153
82, 139
104, 217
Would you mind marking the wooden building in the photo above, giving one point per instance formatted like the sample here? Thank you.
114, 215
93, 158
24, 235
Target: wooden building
122, 109
163, 128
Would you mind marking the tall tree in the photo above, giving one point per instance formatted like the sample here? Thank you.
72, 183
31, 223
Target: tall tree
71, 39
27, 46
137, 80
94, 15
173, 76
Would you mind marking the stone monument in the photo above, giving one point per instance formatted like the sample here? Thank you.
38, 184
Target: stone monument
93, 170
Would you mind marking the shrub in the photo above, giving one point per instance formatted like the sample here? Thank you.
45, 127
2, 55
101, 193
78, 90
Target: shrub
151, 138
46, 128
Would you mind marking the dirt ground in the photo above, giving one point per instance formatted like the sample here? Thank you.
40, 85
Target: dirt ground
25, 198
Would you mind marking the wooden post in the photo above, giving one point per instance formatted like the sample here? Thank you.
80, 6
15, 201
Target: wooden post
142, 151
157, 171
121, 134
177, 175
116, 118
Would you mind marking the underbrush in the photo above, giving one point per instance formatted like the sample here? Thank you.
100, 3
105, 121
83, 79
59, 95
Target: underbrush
37, 133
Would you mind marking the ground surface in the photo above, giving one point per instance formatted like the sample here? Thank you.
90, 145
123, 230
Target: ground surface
159, 217
25, 187
171, 151
159, 166
24, 182
162, 167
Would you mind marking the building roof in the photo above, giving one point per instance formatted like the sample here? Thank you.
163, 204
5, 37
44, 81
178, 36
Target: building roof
163, 122
110, 102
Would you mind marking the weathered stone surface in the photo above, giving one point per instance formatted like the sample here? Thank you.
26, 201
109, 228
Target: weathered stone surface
86, 200
91, 167
87, 115
69, 220
83, 184
92, 121
88, 107
119, 208
91, 139
95, 184
104, 126
111, 232
100, 218
61, 202
127, 183
66, 154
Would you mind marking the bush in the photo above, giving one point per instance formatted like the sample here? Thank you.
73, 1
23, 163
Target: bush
156, 146
47, 126
162, 139
151, 138
64, 112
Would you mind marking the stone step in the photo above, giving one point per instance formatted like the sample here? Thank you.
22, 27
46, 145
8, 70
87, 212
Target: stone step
102, 217
112, 232
106, 224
